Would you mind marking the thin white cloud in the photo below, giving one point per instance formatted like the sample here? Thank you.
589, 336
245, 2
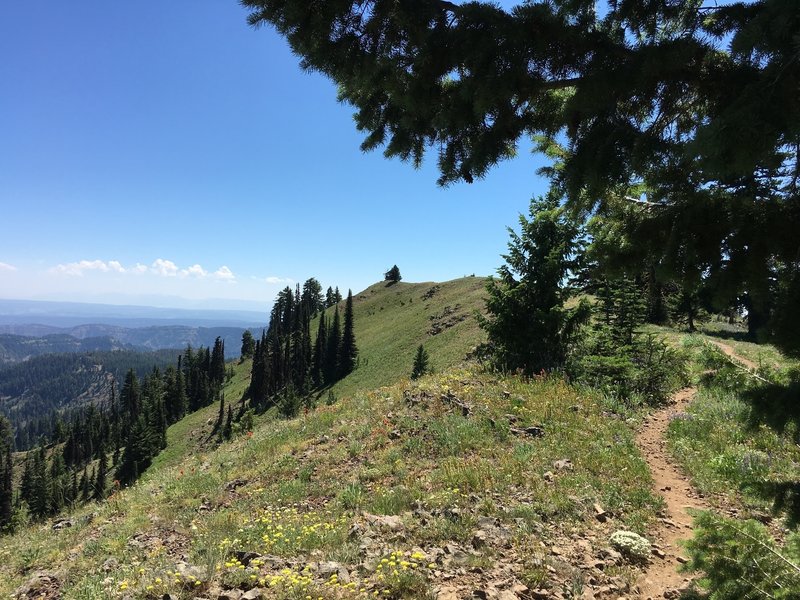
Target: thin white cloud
164, 268
7, 267
274, 280
194, 271
160, 267
77, 269
224, 273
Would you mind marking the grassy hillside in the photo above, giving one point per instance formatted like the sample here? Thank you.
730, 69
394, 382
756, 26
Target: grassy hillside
392, 320
479, 481
393, 490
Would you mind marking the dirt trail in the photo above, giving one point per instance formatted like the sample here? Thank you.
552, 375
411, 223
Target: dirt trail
731, 353
661, 577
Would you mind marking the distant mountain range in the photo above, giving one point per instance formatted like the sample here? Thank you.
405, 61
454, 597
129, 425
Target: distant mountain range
70, 314
31, 328
45, 339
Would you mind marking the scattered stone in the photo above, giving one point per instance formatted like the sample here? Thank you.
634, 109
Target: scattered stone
600, 514
390, 522
479, 539
519, 589
548, 476
488, 522
326, 569
62, 524
245, 557
454, 513
450, 398
254, 594
236, 483
659, 553
189, 572
447, 593
564, 464
43, 584
532, 431
111, 564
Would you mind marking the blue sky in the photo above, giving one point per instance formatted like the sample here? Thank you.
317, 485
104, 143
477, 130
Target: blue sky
167, 153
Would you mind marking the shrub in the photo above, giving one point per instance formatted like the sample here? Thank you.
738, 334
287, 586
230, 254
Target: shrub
630, 544
741, 560
647, 368
289, 403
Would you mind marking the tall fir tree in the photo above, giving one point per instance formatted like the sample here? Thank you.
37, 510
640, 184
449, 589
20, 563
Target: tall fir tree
348, 352
332, 354
528, 326
421, 360
217, 367
100, 482
6, 473
330, 299
320, 350
248, 344
130, 395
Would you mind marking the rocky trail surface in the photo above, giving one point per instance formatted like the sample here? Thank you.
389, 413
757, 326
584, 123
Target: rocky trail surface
661, 579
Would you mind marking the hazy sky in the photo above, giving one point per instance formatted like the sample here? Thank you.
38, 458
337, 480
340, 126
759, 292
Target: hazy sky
156, 150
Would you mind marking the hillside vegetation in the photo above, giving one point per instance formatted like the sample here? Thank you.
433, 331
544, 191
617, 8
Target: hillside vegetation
392, 320
486, 481
480, 480
464, 483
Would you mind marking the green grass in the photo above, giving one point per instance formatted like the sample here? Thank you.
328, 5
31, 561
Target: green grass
372, 452
739, 437
391, 321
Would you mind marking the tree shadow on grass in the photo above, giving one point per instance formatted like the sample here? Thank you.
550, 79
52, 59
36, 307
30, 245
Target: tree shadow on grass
736, 336
778, 407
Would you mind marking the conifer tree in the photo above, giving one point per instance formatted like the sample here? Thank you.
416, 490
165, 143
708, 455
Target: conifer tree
130, 395
528, 326
74, 489
58, 483
220, 416
320, 350
332, 354
348, 351
6, 472
37, 490
227, 431
420, 366
392, 275
623, 307
312, 297
248, 344
217, 366
86, 493
102, 473
330, 299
